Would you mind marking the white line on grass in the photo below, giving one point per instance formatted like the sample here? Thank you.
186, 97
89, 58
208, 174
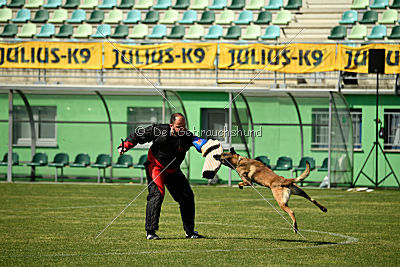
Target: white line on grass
348, 240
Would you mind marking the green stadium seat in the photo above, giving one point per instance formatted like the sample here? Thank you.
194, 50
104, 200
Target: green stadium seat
255, 5
273, 32
15, 159
349, 17
115, 16
218, 4
124, 161
358, 32
389, 17
152, 17
39, 159
9, 30
108, 4
97, 16
265, 160
252, 32
65, 31
360, 4
233, 33
214, 33
208, 17
126, 4
170, 17
195, 32
82, 160
177, 32
338, 33
139, 32
41, 16
144, 4
264, 17
120, 32
71, 4
53, 4
283, 164
163, 4
61, 160
189, 17
226, 17
158, 32
245, 17
34, 4
5, 14
23, 15
28, 31
294, 4
395, 4
78, 16
369, 17
324, 167
379, 4
237, 4
89, 4
83, 31
59, 16
46, 31
103, 161
378, 32
274, 5
133, 17
103, 31
140, 165
3, 3
181, 4
395, 34
199, 5
283, 18
16, 3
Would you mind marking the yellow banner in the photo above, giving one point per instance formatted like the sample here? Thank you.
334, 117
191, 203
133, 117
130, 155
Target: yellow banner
356, 59
162, 56
51, 55
294, 58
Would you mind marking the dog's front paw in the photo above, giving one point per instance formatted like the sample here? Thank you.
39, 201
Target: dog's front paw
240, 185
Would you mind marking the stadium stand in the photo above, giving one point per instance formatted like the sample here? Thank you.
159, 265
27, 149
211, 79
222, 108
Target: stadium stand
271, 33
378, 32
395, 34
96, 17
144, 4
395, 4
264, 17
369, 17
83, 31
126, 4
34, 4
358, 32
120, 32
324, 166
108, 4
77, 17
199, 5
39, 159
195, 32
255, 5
284, 17
234, 32
389, 17
360, 4
103, 161
158, 32
283, 164
379, 4
9, 30
59, 16
265, 160
41, 16
16, 3
124, 161
208, 17
152, 17
170, 17
245, 17
65, 31
82, 160
214, 33
177, 32
218, 4
252, 32
114, 17
163, 4
15, 159
338, 33
102, 31
294, 4
89, 4
181, 4
46, 31
189, 17
225, 17
274, 5
52, 4
60, 161
28, 31
139, 32
5, 14
72, 4
237, 4
349, 17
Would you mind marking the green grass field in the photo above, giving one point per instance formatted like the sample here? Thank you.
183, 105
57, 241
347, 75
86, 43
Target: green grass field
55, 224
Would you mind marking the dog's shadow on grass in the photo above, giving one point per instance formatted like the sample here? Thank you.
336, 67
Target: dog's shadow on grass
310, 242
306, 241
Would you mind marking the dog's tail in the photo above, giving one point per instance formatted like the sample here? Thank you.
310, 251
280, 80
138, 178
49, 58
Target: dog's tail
302, 176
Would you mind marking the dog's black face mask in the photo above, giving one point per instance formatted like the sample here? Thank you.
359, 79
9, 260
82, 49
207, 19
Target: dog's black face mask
225, 158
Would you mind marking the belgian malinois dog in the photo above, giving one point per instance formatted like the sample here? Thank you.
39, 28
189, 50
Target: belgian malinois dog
251, 170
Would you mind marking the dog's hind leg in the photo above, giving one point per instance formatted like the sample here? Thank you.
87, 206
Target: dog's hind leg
282, 195
300, 192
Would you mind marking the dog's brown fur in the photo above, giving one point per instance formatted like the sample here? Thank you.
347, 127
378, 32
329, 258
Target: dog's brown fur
255, 171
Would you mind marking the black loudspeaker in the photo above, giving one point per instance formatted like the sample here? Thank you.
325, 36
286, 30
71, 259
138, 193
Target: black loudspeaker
376, 61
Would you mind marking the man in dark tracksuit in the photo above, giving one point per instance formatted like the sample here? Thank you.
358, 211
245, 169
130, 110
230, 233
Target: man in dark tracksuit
170, 143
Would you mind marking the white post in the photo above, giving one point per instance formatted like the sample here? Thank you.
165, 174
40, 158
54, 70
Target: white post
10, 134
329, 139
229, 133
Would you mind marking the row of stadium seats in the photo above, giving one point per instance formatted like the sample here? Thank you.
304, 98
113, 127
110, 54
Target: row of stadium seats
360, 32
286, 164
141, 31
389, 16
161, 4
377, 4
152, 17
82, 160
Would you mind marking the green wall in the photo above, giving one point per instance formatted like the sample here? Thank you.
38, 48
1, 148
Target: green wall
276, 141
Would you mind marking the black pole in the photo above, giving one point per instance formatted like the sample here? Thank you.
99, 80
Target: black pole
376, 129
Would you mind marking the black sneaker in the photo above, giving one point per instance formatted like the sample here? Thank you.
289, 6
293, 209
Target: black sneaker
152, 236
195, 235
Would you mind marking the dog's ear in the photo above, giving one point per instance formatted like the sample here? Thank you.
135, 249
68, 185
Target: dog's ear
217, 157
233, 151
